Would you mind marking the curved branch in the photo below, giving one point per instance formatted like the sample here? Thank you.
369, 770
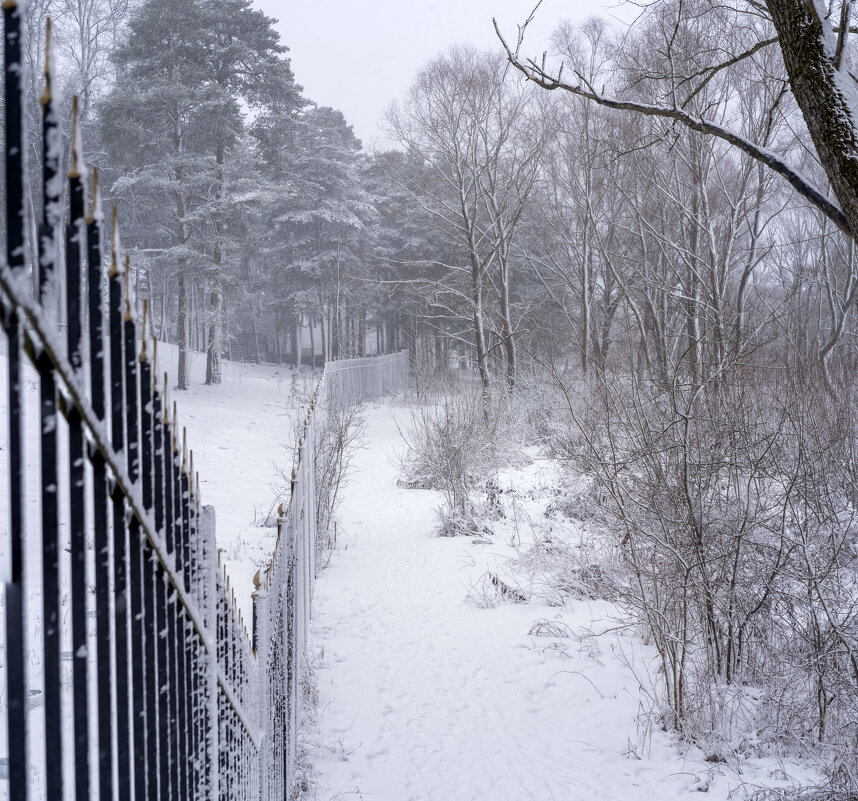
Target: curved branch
772, 160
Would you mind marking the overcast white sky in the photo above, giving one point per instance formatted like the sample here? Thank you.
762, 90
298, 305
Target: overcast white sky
358, 55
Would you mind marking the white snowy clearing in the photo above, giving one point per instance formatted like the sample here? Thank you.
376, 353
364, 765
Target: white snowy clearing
243, 436
431, 689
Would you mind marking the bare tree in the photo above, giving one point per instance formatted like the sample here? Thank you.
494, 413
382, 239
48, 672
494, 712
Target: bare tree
814, 52
482, 138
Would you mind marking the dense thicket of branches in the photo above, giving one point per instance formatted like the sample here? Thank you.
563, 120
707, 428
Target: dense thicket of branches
694, 314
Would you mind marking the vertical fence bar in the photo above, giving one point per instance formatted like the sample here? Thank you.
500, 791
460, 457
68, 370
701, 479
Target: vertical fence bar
190, 640
149, 566
208, 579
173, 617
104, 697
161, 606
120, 571
49, 298
135, 546
181, 730
16, 717
75, 234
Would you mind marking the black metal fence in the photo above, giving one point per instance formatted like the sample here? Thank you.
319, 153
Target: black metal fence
151, 686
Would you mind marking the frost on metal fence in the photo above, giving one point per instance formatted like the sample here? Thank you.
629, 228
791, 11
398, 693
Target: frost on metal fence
141, 681
144, 676
355, 380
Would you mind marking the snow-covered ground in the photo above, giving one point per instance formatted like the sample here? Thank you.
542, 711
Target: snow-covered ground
243, 435
432, 689
433, 685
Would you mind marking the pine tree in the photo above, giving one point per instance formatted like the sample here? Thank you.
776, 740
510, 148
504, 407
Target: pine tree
172, 125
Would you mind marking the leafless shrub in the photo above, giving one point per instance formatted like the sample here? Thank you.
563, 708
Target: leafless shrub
340, 432
491, 589
558, 569
804, 794
543, 627
453, 448
732, 506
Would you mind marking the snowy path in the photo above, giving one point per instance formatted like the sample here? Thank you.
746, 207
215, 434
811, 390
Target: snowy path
425, 696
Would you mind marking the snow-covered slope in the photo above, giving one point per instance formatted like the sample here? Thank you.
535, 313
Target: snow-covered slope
243, 435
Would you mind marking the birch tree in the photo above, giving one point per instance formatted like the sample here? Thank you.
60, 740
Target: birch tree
483, 142
813, 42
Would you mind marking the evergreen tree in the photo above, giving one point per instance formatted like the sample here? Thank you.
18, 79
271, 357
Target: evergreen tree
171, 125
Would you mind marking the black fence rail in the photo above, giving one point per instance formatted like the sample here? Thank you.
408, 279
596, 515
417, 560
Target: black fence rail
151, 686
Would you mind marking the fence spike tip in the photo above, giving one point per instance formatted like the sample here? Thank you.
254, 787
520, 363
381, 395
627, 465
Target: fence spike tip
95, 207
128, 316
74, 169
46, 96
257, 580
143, 355
175, 434
280, 510
113, 272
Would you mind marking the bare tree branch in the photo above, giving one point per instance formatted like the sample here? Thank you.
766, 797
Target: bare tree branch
800, 183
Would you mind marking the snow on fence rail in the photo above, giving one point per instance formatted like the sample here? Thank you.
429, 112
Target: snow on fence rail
366, 377
169, 698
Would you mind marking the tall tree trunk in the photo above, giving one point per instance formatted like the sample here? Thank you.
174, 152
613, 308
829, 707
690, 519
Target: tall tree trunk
182, 317
818, 87
253, 323
507, 332
182, 326
692, 291
480, 341
312, 342
295, 344
215, 344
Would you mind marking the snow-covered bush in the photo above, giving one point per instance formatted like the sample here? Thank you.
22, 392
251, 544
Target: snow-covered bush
732, 506
450, 448
453, 447
341, 431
